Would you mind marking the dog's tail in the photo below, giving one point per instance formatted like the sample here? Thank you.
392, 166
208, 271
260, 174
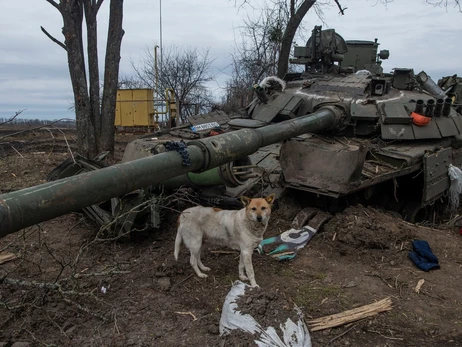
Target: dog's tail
177, 245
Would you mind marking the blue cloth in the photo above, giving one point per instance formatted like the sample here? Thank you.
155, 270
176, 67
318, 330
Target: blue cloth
423, 257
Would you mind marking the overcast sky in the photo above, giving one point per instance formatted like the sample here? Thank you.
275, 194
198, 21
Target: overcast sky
34, 74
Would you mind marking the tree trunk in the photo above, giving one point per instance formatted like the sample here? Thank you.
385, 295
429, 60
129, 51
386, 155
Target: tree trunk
296, 18
111, 75
91, 10
72, 13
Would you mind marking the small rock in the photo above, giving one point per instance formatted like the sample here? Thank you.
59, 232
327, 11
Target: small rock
350, 284
392, 263
21, 344
164, 283
70, 330
328, 278
261, 311
212, 329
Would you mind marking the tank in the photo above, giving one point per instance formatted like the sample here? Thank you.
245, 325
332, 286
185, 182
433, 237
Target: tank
340, 130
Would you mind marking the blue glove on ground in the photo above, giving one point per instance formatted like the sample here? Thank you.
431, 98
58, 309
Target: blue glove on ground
422, 256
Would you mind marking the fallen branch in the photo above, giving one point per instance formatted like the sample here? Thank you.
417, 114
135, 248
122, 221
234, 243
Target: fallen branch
419, 286
6, 256
104, 273
188, 313
32, 129
46, 285
85, 309
349, 316
224, 252
69, 147
17, 152
182, 281
342, 334
380, 277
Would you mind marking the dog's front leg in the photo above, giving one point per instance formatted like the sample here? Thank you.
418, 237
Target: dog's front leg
242, 275
247, 258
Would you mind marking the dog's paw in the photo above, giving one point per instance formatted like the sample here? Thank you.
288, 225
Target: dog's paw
205, 268
202, 275
255, 285
243, 278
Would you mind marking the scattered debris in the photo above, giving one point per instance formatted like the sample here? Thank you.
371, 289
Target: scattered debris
291, 241
419, 285
188, 313
349, 316
6, 256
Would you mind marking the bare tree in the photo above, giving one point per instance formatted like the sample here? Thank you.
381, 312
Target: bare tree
186, 71
94, 114
297, 9
256, 54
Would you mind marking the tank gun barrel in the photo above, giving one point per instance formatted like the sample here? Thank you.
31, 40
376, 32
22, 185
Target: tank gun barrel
29, 206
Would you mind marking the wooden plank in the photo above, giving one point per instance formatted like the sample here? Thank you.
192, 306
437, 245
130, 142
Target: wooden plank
349, 316
6, 256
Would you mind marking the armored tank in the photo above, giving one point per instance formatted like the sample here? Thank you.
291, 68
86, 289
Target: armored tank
394, 135
338, 131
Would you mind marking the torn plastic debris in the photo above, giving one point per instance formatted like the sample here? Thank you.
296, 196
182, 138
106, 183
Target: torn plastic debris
289, 242
455, 174
294, 334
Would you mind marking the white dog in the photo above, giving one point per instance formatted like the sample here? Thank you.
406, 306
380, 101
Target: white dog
237, 229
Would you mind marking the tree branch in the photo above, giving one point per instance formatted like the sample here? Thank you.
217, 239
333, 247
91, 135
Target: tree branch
53, 39
342, 10
98, 5
12, 117
54, 4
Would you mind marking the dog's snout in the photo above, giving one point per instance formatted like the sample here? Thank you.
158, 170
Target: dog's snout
259, 218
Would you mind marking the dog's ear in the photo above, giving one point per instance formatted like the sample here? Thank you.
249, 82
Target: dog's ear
245, 200
270, 198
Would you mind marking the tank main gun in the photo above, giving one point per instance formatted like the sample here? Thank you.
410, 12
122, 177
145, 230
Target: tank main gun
33, 205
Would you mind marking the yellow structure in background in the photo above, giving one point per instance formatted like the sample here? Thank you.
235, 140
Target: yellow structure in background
134, 108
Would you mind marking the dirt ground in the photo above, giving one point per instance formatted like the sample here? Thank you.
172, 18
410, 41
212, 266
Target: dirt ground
66, 288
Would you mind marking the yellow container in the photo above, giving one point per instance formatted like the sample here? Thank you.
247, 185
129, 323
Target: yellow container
134, 108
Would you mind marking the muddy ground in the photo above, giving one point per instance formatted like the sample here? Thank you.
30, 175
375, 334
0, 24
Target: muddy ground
66, 288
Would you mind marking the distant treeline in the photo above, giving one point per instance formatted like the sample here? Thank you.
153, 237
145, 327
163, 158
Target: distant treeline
21, 122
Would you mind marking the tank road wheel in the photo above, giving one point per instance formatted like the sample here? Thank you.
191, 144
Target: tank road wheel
414, 213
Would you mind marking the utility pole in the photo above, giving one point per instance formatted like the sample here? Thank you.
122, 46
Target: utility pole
161, 52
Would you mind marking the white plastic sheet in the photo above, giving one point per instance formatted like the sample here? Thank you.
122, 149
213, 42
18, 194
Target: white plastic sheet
293, 334
455, 174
